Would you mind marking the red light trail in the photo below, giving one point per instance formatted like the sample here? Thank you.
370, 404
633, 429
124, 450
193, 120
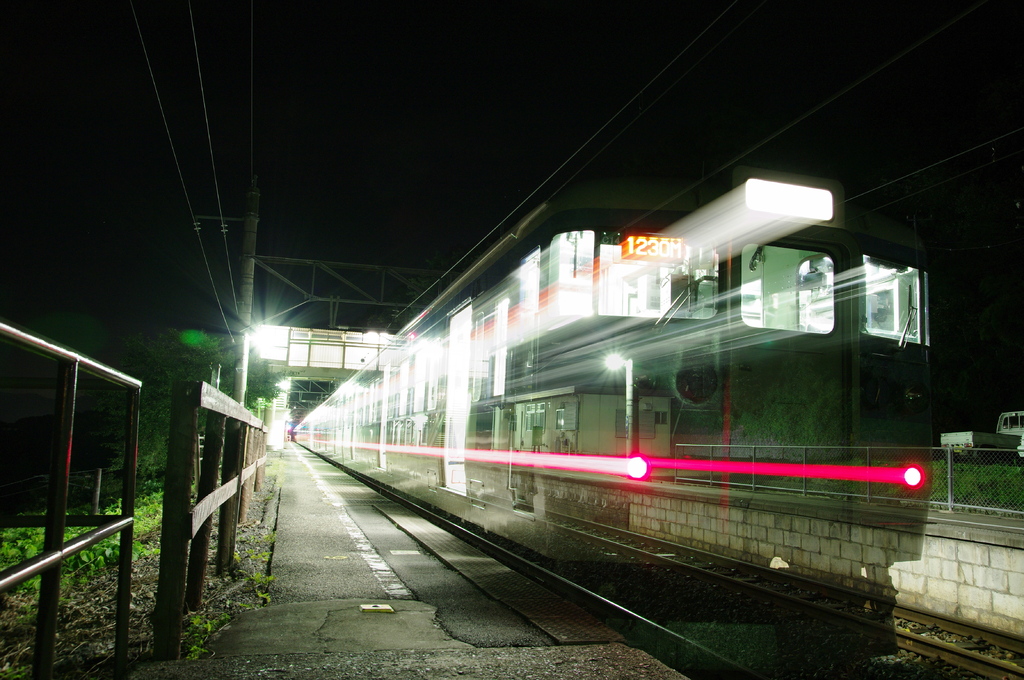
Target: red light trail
641, 467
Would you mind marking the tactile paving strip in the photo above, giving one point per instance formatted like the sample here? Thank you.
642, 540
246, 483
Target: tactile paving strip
564, 621
363, 501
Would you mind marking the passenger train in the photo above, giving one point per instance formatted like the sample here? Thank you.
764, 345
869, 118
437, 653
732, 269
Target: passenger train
628, 321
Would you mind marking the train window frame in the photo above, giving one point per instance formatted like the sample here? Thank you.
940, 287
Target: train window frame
686, 288
893, 305
570, 272
530, 284
803, 294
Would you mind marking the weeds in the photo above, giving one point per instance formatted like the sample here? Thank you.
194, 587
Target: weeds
199, 631
24, 543
261, 584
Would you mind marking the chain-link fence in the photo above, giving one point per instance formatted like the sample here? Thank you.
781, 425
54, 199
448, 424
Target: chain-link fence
989, 480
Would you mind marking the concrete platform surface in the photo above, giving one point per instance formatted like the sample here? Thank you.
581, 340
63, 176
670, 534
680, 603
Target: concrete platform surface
582, 662
341, 546
333, 626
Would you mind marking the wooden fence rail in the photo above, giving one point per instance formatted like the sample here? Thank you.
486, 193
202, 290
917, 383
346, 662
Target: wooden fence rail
234, 451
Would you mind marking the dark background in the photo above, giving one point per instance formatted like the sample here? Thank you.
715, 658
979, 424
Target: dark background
404, 133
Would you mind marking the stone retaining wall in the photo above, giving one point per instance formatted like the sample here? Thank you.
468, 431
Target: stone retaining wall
973, 573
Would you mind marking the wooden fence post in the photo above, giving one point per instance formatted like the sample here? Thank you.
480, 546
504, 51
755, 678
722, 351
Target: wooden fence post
208, 482
246, 492
234, 450
261, 452
176, 528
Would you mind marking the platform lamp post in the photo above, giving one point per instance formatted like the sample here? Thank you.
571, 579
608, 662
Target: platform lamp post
615, 362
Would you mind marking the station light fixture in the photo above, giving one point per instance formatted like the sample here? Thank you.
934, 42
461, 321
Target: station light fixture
614, 362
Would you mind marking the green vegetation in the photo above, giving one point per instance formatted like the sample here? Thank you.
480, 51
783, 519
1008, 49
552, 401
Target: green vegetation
199, 629
161, 361
261, 584
24, 543
987, 486
16, 673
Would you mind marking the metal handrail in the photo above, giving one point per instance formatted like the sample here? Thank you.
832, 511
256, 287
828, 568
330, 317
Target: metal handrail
47, 565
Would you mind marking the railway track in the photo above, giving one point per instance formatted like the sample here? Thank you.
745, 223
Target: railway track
978, 649
664, 644
985, 652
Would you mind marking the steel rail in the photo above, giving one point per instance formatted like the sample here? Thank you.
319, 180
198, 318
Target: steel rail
869, 601
986, 666
999, 638
911, 641
795, 602
908, 640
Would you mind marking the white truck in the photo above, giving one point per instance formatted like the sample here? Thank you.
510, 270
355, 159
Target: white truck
1009, 434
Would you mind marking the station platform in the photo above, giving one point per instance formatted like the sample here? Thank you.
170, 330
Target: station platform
363, 588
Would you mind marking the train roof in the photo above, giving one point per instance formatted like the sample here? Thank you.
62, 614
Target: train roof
681, 197
635, 193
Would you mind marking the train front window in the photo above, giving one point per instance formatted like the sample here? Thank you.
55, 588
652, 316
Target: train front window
892, 301
787, 289
656, 277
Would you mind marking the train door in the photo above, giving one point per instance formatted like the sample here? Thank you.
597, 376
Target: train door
457, 416
385, 388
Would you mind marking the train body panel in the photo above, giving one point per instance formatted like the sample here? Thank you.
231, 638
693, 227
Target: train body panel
738, 328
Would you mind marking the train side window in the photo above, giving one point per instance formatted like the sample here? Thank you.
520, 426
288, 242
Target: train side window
481, 361
679, 283
500, 357
787, 289
571, 273
529, 284
892, 300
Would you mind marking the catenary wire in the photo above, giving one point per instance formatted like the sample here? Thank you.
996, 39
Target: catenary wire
213, 165
891, 60
936, 163
985, 247
656, 99
177, 165
599, 131
807, 114
948, 179
252, 91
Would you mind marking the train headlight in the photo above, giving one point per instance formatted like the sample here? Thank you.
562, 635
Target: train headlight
915, 399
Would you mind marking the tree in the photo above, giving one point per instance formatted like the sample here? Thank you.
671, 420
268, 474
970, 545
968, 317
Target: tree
170, 357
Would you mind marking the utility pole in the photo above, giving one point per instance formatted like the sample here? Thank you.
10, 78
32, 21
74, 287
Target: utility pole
252, 217
237, 453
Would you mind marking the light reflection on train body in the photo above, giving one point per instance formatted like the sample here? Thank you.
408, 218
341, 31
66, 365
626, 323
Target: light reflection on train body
743, 328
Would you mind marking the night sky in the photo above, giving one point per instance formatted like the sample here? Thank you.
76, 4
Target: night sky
395, 132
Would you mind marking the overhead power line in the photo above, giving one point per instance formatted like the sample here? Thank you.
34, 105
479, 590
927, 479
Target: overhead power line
799, 119
213, 164
936, 163
252, 91
948, 179
810, 112
601, 129
177, 165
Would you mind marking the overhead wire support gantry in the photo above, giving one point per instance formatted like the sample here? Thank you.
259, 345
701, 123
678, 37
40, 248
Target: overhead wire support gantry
356, 294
